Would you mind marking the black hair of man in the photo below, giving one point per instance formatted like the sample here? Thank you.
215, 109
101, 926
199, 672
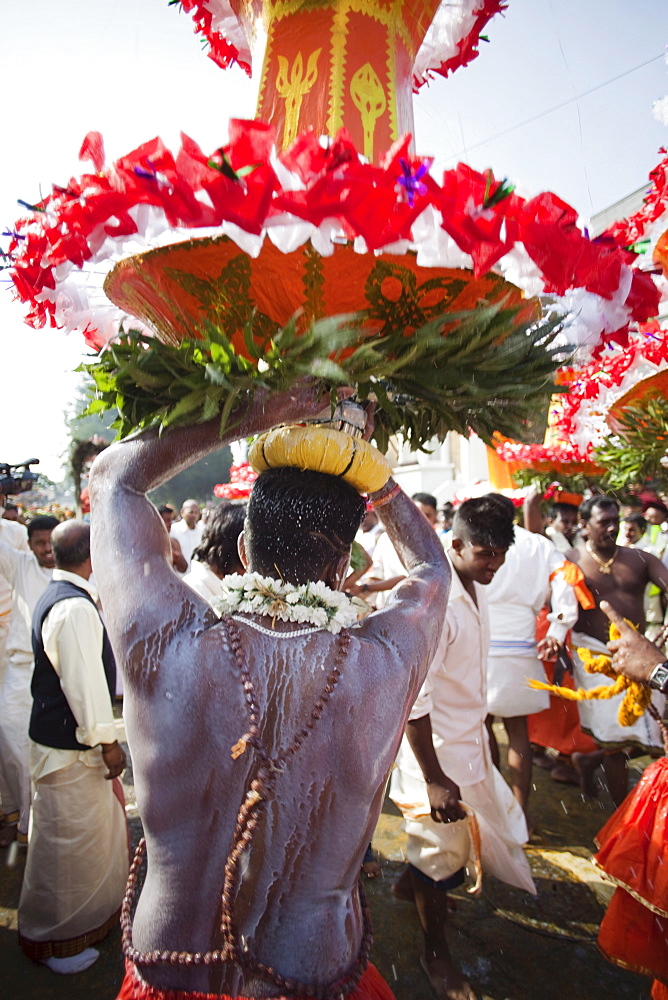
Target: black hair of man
637, 519
563, 508
426, 498
300, 522
218, 548
484, 521
166, 509
600, 500
71, 544
44, 522
505, 502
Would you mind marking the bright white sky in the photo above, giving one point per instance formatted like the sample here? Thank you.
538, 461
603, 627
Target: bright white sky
133, 69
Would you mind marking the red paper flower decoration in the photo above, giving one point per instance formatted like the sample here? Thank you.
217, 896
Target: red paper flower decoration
240, 485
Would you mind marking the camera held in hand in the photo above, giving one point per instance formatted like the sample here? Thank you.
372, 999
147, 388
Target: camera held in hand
18, 478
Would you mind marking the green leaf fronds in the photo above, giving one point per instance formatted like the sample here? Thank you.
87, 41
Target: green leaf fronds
481, 370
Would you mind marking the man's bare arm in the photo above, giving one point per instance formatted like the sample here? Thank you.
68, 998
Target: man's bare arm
417, 605
533, 518
179, 561
443, 793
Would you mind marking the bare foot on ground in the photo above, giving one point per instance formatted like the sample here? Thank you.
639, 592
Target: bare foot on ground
586, 765
446, 980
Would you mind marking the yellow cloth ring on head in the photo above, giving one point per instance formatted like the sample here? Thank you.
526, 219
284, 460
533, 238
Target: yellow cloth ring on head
321, 449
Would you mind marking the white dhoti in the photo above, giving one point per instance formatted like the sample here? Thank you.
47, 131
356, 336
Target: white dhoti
510, 667
440, 849
77, 863
8, 806
599, 718
15, 709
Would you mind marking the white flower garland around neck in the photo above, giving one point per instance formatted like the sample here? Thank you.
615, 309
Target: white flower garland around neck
311, 603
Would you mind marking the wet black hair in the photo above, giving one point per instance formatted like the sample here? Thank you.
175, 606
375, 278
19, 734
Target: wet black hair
44, 522
484, 521
218, 548
299, 522
598, 500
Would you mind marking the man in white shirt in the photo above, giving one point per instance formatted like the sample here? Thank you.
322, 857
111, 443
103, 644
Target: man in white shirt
78, 819
534, 569
28, 574
445, 760
387, 569
188, 531
16, 536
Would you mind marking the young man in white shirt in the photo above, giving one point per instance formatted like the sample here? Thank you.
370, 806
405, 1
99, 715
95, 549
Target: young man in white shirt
445, 759
28, 574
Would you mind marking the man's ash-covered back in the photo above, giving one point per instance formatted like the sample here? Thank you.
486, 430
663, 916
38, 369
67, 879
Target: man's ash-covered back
262, 740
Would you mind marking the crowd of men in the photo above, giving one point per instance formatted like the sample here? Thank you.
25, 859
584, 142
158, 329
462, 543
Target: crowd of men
446, 643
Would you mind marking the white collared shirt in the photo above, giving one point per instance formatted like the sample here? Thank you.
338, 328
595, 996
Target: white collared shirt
72, 634
454, 694
520, 589
28, 581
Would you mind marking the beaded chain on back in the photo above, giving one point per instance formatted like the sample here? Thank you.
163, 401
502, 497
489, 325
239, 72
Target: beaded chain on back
260, 791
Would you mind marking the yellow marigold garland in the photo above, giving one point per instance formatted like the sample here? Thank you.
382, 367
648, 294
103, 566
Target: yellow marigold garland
637, 696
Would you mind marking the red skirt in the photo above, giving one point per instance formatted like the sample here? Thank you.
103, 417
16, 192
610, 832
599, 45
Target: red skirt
633, 851
371, 986
633, 844
635, 937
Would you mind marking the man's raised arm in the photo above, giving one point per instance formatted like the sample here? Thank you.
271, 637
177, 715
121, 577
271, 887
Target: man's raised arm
421, 599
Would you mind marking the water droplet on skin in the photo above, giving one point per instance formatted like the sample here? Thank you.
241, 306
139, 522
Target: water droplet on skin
168, 695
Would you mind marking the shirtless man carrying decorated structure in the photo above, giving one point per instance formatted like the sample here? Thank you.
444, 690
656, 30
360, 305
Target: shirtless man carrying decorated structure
261, 741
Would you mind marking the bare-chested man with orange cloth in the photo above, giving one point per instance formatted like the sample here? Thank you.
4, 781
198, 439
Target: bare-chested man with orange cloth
254, 856
619, 576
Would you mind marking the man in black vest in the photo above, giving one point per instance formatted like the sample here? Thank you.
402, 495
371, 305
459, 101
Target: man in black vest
77, 857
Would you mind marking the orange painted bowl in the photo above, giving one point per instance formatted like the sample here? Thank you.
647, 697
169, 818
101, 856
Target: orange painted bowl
178, 289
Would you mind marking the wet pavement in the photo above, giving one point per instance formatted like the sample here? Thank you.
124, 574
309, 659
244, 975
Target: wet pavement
509, 945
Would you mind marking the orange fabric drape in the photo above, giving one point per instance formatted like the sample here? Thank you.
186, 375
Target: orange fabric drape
558, 727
